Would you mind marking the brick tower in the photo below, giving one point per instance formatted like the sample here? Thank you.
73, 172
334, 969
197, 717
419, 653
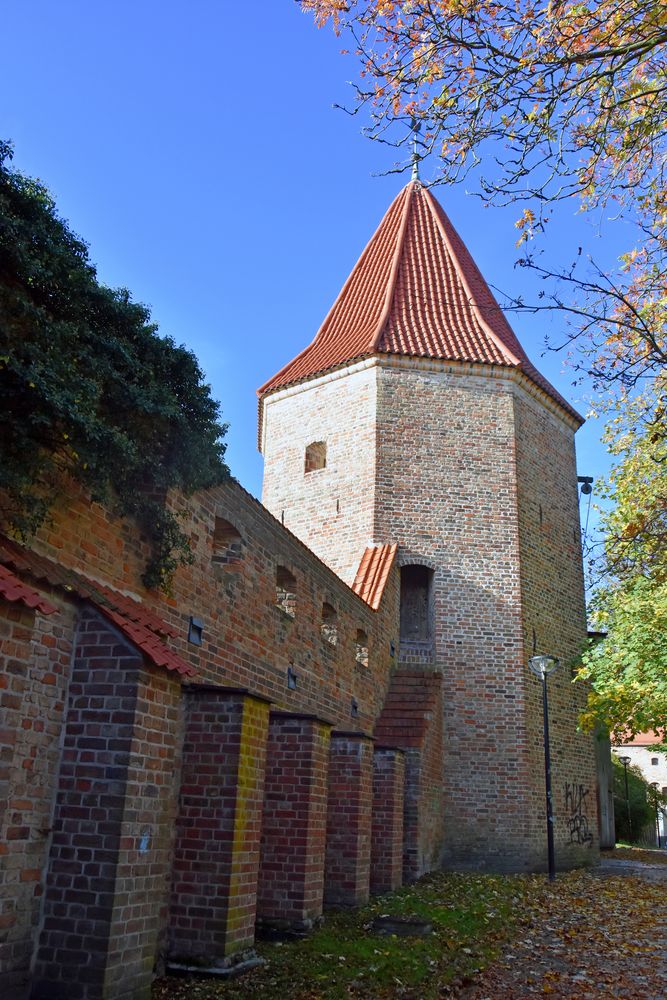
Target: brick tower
415, 417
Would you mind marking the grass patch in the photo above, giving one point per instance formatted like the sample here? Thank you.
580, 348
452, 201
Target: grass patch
472, 916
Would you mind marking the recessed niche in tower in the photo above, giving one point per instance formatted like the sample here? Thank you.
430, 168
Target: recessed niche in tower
286, 591
416, 609
361, 648
226, 542
329, 625
316, 456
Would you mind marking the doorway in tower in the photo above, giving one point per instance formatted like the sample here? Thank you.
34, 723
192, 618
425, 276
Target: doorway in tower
417, 613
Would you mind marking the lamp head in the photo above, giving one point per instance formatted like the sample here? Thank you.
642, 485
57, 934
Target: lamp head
625, 760
543, 665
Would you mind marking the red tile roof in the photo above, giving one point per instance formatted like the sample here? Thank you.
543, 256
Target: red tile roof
639, 740
372, 574
14, 590
141, 625
415, 291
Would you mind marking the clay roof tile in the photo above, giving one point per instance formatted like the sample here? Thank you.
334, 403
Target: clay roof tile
373, 572
141, 625
415, 291
16, 591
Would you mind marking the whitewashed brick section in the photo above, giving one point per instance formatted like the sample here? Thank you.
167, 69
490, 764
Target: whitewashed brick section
330, 509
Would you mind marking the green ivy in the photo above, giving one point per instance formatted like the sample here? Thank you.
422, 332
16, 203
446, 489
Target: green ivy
88, 389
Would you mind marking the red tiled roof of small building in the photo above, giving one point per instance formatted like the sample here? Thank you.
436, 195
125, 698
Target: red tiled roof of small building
142, 626
639, 740
16, 591
369, 583
415, 291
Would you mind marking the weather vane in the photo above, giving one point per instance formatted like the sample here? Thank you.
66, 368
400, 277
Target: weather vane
415, 151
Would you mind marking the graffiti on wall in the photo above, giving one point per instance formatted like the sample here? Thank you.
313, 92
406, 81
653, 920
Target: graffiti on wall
576, 805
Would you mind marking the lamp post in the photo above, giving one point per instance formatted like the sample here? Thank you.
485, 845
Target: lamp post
542, 666
655, 786
625, 761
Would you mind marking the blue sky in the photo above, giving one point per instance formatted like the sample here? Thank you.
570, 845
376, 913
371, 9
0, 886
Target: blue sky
195, 148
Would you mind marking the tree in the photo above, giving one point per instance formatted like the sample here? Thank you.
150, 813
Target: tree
628, 670
640, 801
88, 390
546, 100
542, 101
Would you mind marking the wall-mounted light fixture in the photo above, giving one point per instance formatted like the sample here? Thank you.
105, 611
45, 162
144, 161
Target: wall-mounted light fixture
291, 678
354, 708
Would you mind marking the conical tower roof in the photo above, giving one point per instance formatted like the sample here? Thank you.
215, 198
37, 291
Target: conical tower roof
416, 292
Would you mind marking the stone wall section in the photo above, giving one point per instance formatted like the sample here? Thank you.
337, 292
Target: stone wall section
554, 622
330, 509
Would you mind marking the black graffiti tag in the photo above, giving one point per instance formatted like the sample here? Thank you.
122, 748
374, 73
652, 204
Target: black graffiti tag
577, 818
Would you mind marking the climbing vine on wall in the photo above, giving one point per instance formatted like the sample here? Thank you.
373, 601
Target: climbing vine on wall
89, 391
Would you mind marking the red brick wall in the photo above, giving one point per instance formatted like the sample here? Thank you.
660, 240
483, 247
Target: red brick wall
349, 818
330, 509
554, 622
35, 652
108, 866
291, 882
143, 873
387, 822
248, 641
412, 720
216, 855
448, 495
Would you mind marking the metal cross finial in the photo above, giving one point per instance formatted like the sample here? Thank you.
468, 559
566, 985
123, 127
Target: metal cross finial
415, 153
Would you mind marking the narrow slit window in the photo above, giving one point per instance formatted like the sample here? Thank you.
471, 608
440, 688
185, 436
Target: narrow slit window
361, 648
227, 544
286, 591
316, 456
329, 625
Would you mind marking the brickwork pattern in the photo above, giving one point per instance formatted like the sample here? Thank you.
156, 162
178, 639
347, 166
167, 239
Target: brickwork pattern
291, 880
216, 854
387, 823
103, 885
330, 509
349, 820
412, 719
143, 870
35, 654
554, 622
248, 641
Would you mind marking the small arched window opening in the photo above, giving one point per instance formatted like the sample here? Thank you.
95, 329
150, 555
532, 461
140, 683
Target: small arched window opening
286, 591
329, 627
361, 647
226, 542
416, 606
316, 456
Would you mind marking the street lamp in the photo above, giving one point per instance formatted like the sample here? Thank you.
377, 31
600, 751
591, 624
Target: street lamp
655, 786
542, 666
625, 761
